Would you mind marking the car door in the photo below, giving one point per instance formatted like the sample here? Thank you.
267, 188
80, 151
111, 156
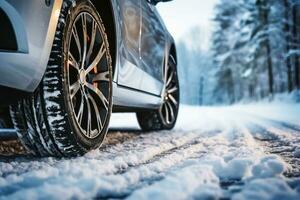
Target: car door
152, 53
130, 73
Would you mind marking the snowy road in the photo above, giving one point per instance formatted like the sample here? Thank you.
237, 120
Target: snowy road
250, 152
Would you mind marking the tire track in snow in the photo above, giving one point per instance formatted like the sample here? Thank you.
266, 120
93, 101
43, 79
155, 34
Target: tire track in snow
166, 153
135, 156
291, 127
122, 185
211, 144
162, 155
152, 171
278, 143
238, 140
181, 150
281, 125
116, 158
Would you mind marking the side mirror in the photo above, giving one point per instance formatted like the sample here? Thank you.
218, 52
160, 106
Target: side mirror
154, 2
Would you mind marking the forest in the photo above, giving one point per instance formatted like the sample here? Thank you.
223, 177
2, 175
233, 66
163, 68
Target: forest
254, 54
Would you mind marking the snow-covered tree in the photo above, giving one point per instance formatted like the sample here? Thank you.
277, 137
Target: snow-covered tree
255, 48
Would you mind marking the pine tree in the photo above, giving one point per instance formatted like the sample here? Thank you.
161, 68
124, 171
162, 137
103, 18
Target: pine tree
296, 40
287, 30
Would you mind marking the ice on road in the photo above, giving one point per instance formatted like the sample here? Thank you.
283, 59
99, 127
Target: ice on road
238, 152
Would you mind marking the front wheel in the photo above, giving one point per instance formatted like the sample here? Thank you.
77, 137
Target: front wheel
68, 115
166, 116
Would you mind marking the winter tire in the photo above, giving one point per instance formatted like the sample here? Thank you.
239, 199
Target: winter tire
69, 113
166, 116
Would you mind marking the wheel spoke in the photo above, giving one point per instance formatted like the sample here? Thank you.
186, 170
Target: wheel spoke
172, 90
173, 99
104, 76
84, 30
99, 94
92, 43
166, 71
72, 62
167, 113
81, 109
89, 122
77, 40
170, 79
171, 111
97, 59
74, 89
99, 122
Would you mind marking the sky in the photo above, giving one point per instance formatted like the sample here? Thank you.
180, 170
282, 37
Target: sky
182, 15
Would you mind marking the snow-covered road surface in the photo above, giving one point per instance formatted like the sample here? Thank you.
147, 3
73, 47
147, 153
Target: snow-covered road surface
239, 152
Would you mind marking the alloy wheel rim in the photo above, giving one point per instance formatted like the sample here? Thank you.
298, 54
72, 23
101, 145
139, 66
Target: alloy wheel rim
88, 75
169, 108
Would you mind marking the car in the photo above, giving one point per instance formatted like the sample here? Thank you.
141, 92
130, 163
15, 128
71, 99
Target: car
66, 65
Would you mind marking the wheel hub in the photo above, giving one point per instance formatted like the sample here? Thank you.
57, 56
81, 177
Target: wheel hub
82, 77
166, 97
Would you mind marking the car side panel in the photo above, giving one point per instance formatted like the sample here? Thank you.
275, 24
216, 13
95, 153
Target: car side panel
153, 41
153, 47
35, 24
148, 95
129, 72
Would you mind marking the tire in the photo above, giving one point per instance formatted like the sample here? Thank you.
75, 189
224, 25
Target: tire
69, 113
5, 121
166, 116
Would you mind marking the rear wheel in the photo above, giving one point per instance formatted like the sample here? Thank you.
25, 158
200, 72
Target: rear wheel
166, 116
69, 113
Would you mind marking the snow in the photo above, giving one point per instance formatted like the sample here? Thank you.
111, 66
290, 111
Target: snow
247, 73
213, 152
182, 182
297, 152
270, 166
269, 188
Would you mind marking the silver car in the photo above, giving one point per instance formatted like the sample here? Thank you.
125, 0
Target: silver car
66, 65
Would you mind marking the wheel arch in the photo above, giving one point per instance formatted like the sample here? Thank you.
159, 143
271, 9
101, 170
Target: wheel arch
105, 9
